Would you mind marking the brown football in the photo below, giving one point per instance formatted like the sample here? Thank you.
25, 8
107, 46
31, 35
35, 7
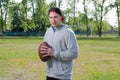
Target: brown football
44, 59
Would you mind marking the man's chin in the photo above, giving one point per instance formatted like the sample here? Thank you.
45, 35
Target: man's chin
54, 25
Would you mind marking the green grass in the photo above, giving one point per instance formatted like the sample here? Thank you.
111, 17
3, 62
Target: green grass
109, 75
99, 59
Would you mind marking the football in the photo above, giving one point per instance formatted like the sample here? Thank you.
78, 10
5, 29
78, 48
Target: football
44, 59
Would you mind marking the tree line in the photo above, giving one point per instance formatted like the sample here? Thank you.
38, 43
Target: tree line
32, 16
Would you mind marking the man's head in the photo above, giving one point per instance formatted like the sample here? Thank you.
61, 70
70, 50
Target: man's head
55, 16
56, 10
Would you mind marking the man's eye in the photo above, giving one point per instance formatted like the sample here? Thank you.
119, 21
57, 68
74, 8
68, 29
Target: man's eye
50, 17
56, 17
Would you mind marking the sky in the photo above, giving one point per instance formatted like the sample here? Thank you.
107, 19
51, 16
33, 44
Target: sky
17, 1
112, 18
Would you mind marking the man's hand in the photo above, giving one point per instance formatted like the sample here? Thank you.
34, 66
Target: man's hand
49, 51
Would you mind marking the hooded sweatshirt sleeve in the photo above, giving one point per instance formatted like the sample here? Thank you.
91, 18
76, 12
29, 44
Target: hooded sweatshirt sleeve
71, 51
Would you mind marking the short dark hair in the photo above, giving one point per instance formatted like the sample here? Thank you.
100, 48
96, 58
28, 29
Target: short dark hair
56, 9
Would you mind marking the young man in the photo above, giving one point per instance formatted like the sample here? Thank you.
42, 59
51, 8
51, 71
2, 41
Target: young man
63, 49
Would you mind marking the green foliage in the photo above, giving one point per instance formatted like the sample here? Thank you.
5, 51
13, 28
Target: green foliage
52, 4
32, 15
41, 16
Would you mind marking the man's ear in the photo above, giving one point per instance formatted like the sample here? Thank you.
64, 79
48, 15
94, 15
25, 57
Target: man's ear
62, 18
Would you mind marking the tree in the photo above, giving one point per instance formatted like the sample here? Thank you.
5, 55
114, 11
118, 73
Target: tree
99, 13
85, 3
1, 17
6, 11
16, 19
40, 16
72, 13
53, 4
117, 6
24, 15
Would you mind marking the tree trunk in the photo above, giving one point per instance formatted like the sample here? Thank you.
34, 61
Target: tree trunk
118, 19
2, 24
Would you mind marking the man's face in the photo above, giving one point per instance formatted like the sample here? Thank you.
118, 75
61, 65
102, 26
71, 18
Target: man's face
55, 19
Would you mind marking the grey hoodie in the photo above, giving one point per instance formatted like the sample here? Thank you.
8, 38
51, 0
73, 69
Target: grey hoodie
63, 42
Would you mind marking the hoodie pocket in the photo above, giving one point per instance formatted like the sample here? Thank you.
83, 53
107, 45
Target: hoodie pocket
62, 68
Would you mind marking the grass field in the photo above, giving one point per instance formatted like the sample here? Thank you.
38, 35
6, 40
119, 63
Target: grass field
99, 59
